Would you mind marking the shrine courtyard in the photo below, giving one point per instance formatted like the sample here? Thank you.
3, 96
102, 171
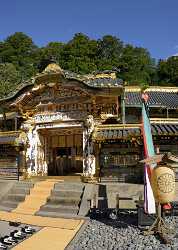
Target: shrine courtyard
70, 152
72, 225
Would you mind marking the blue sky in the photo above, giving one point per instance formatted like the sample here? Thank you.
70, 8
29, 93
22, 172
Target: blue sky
152, 24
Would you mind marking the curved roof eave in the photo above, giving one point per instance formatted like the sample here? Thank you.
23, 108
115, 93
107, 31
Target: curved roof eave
44, 78
13, 94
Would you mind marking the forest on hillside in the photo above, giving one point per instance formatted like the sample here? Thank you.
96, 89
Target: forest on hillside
21, 58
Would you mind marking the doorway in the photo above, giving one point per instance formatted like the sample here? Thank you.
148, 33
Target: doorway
64, 152
67, 161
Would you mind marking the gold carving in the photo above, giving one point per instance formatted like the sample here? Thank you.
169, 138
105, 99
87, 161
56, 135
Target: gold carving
106, 75
54, 68
54, 96
166, 183
69, 93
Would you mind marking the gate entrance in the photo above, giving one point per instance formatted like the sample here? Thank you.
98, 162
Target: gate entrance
67, 160
63, 151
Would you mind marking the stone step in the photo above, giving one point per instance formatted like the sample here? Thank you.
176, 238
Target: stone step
63, 200
3, 182
66, 193
56, 215
20, 190
5, 208
8, 177
23, 184
60, 209
68, 186
15, 197
10, 204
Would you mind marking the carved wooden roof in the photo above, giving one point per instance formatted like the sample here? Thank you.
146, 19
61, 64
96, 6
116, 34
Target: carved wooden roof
92, 84
46, 94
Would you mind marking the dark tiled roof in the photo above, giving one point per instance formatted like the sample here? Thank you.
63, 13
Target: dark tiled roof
164, 129
94, 82
156, 99
124, 133
8, 137
115, 133
91, 81
104, 82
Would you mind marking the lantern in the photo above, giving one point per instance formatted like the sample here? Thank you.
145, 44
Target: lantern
163, 184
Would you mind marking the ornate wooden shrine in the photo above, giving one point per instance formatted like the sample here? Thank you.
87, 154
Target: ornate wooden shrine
59, 111
61, 123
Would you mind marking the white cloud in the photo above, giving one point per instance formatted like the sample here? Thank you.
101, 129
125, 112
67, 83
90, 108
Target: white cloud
175, 54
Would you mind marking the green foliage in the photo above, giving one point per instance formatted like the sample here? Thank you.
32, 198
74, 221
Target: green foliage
52, 51
79, 54
168, 71
19, 50
109, 54
136, 65
21, 59
9, 78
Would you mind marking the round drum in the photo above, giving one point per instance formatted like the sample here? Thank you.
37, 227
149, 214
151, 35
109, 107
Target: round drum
163, 183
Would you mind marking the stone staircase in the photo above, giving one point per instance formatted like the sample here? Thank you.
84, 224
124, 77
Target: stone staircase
15, 195
64, 201
9, 177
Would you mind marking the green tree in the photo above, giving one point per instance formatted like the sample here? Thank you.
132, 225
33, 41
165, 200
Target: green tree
9, 79
52, 51
137, 67
79, 54
110, 49
84, 55
19, 50
168, 71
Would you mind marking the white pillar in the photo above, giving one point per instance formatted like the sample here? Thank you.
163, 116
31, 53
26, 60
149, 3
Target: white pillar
40, 163
88, 156
30, 154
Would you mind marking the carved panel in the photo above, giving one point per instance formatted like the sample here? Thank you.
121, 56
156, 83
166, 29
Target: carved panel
65, 92
51, 95
59, 116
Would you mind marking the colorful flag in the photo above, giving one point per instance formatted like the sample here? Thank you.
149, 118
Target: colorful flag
149, 201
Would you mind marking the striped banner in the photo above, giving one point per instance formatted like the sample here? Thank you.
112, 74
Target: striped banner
149, 201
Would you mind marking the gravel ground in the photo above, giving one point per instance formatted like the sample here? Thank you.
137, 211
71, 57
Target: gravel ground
121, 233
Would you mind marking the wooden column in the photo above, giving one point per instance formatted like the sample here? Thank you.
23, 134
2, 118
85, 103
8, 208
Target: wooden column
167, 113
94, 107
117, 107
123, 106
15, 123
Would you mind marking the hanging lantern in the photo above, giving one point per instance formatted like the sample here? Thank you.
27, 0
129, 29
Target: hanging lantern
163, 184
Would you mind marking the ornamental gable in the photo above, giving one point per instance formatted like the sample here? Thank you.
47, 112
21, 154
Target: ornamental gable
49, 95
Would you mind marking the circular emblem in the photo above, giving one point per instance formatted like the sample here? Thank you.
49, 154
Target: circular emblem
166, 183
